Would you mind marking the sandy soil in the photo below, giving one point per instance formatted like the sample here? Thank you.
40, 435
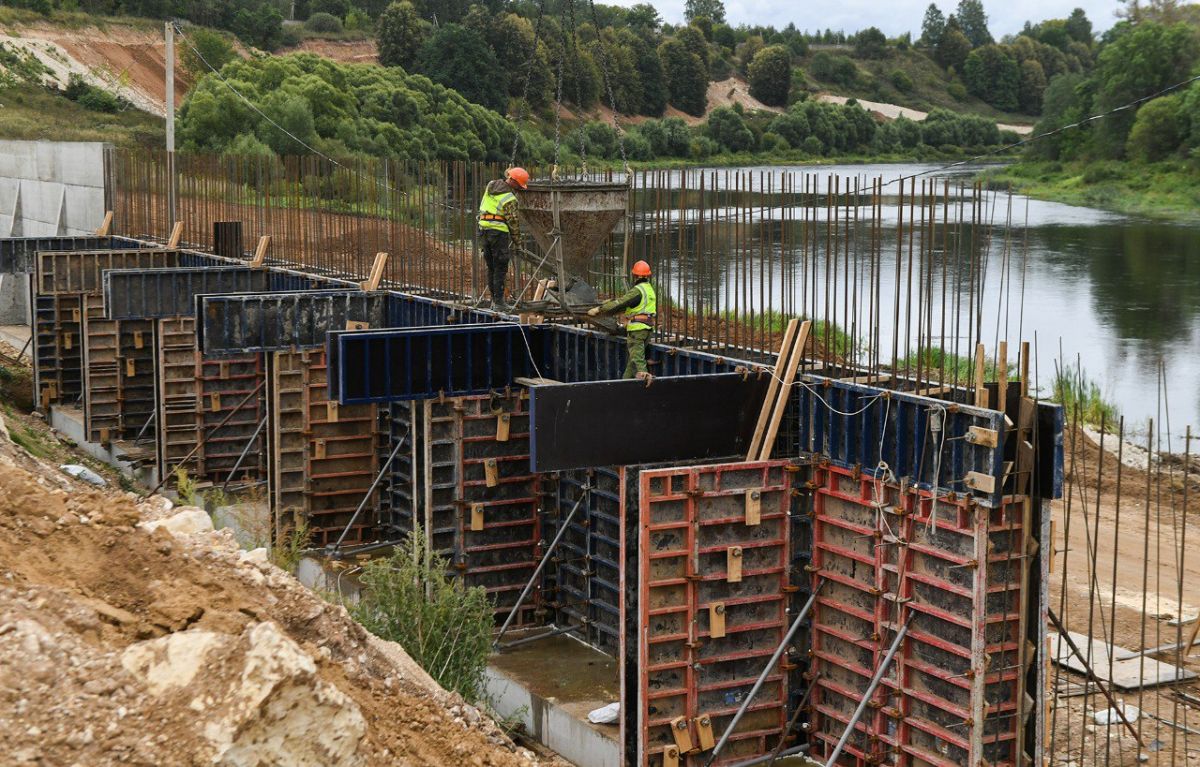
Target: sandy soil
1136, 539
84, 587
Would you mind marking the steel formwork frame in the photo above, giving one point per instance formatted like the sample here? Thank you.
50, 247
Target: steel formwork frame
323, 457
957, 570
714, 583
465, 482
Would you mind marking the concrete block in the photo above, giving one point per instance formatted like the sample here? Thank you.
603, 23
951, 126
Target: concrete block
14, 299
47, 160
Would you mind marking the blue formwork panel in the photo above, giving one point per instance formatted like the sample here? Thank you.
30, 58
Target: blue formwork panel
263, 322
428, 362
155, 293
408, 311
580, 355
899, 436
17, 253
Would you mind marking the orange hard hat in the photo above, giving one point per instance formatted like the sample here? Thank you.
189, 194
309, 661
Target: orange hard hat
641, 269
518, 176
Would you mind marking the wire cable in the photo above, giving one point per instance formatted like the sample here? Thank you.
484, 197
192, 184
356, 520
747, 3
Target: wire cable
187, 41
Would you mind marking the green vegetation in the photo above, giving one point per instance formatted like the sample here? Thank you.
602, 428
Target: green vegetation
31, 441
286, 553
340, 110
945, 367
1168, 189
445, 627
185, 487
34, 112
1082, 399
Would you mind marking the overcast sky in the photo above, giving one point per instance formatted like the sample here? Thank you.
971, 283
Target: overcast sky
894, 17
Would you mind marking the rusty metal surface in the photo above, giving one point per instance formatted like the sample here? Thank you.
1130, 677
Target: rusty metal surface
694, 523
955, 566
324, 456
587, 214
276, 321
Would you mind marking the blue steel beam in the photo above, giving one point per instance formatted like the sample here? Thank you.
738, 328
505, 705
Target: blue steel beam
429, 362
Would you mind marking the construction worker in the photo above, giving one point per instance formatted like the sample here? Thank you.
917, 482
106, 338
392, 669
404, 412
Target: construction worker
640, 305
499, 227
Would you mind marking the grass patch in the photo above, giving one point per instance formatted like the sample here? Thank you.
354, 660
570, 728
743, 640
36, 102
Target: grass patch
185, 487
29, 440
35, 113
1081, 397
945, 367
445, 627
841, 343
1164, 190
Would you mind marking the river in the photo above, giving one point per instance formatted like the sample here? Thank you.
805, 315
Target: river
1121, 294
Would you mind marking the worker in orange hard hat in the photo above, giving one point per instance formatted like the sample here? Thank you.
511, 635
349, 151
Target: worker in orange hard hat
500, 228
641, 307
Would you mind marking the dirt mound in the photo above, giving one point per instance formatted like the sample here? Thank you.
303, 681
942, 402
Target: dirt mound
120, 645
342, 51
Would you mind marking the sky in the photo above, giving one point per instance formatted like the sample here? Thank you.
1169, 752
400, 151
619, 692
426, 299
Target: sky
894, 17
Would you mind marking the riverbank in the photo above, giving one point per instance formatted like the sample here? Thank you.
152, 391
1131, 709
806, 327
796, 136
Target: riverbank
1164, 190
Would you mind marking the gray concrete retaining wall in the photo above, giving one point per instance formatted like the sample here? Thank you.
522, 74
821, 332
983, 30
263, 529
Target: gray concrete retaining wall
47, 189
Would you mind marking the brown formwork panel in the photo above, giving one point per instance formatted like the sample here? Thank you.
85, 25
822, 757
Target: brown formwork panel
498, 528
325, 455
479, 504
118, 374
951, 569
176, 425
82, 271
58, 348
698, 525
223, 387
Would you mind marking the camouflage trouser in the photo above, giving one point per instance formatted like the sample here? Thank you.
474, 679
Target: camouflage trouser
635, 344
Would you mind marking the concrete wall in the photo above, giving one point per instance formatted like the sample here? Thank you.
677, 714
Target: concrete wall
50, 188
47, 189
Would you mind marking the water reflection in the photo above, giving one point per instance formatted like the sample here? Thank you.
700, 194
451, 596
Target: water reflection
1122, 293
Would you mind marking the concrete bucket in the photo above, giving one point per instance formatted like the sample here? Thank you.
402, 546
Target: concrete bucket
587, 213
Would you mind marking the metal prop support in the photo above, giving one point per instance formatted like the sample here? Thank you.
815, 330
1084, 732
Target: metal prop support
378, 478
765, 673
866, 698
587, 491
249, 443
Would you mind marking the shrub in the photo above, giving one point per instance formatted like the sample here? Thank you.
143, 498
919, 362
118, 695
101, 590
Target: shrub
835, 69
771, 75
813, 146
901, 81
1158, 130
324, 23
957, 91
729, 130
444, 626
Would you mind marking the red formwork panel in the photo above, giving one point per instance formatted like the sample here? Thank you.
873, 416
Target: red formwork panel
951, 568
694, 522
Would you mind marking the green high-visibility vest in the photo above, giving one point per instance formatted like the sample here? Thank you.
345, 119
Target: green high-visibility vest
490, 216
647, 307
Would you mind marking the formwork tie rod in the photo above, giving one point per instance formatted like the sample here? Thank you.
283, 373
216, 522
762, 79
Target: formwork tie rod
378, 478
762, 678
245, 451
204, 441
866, 698
587, 489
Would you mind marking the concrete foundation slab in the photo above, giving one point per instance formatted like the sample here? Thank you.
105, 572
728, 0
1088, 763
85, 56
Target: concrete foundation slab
550, 685
120, 455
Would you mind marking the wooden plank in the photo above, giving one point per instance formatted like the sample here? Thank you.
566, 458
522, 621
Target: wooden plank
176, 235
764, 416
1024, 368
789, 377
1130, 674
1002, 375
260, 251
106, 225
372, 282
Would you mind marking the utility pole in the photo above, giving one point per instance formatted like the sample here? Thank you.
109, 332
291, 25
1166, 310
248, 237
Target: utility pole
170, 109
